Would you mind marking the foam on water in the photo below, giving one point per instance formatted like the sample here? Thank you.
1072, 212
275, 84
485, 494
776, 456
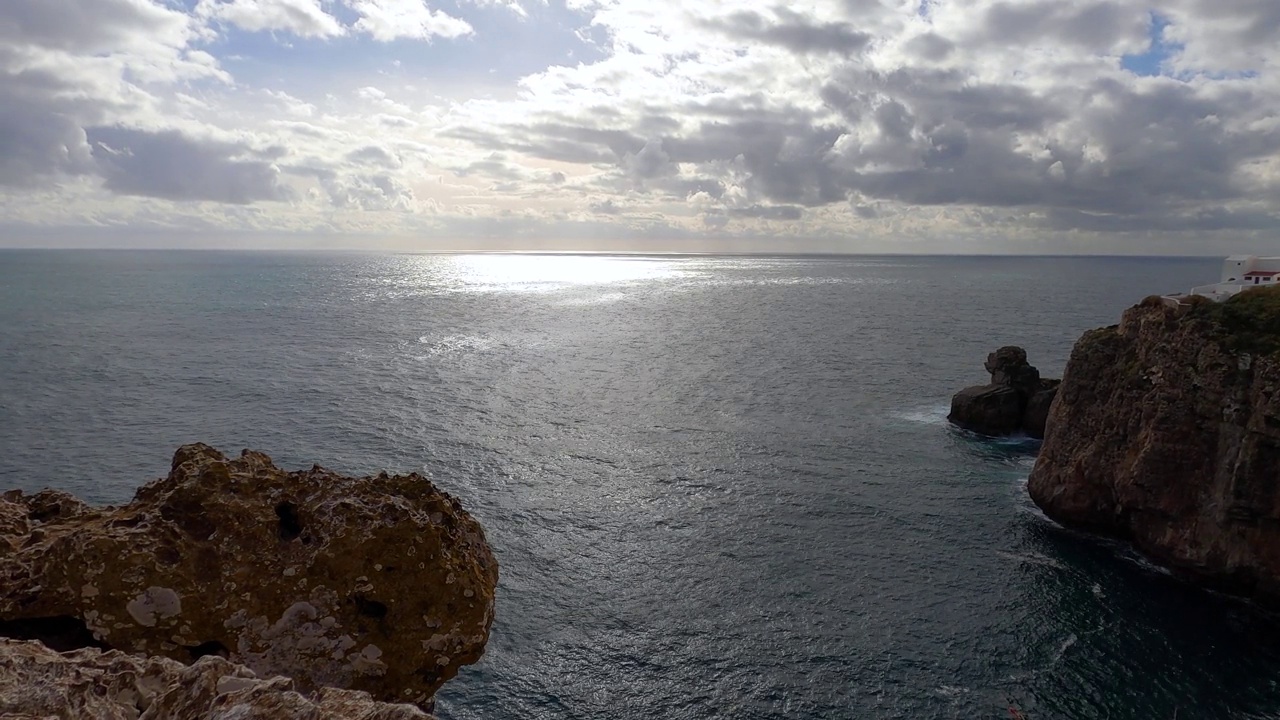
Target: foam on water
935, 414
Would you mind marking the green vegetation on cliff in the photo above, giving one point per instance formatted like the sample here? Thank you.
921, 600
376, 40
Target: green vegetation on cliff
1250, 320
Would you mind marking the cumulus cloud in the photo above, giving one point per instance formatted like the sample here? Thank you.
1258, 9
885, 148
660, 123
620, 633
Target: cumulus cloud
930, 116
304, 18
388, 20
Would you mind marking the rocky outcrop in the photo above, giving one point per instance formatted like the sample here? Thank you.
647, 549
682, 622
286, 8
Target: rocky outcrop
1166, 431
382, 584
1017, 400
38, 683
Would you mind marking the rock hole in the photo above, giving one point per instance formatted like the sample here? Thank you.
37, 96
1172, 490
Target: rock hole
45, 513
213, 647
62, 633
370, 608
290, 523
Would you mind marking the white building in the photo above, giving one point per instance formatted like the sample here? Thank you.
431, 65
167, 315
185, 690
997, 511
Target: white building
1240, 272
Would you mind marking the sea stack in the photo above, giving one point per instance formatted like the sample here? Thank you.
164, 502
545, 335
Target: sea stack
380, 584
1016, 400
1166, 432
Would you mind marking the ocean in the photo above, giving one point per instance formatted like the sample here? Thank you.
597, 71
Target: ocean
718, 487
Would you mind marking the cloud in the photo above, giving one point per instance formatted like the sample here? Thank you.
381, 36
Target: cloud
36, 145
374, 155
388, 20
768, 212
368, 192
170, 165
930, 46
91, 26
605, 207
832, 118
1105, 26
304, 18
792, 31
923, 119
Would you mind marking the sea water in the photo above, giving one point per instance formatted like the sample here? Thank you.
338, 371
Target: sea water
716, 486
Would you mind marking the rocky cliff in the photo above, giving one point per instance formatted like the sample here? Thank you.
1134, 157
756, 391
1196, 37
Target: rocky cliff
1166, 432
38, 683
382, 584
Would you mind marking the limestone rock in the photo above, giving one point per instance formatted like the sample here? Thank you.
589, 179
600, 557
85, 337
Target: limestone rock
988, 409
1016, 400
1164, 434
1009, 367
1035, 418
36, 682
382, 584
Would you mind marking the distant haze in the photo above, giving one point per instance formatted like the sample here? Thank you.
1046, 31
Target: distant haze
974, 126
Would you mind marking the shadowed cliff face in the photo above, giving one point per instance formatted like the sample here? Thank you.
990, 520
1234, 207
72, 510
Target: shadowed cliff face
1166, 432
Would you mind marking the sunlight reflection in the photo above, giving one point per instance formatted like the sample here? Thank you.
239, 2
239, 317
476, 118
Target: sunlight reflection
541, 273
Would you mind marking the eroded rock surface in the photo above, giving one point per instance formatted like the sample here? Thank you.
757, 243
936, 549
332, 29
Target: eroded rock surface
1016, 400
382, 584
36, 682
1164, 432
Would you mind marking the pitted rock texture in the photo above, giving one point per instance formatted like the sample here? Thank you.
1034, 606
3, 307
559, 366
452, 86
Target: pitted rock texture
36, 682
1164, 434
1017, 400
382, 584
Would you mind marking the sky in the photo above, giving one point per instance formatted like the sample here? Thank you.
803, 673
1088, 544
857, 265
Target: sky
1040, 126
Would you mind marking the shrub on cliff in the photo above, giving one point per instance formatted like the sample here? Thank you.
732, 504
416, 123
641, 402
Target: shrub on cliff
1250, 320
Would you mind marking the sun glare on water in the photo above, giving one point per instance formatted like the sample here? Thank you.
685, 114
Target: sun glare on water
545, 273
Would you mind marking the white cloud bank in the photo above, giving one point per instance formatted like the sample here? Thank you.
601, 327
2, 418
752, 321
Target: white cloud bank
1046, 125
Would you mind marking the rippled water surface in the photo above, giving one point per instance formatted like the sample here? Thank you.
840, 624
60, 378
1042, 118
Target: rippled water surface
717, 486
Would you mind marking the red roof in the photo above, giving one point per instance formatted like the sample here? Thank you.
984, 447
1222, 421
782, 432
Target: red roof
1262, 273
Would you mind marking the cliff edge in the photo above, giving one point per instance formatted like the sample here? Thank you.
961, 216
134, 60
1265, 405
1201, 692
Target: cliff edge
1166, 432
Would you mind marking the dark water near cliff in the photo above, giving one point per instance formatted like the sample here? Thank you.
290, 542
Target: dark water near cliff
718, 487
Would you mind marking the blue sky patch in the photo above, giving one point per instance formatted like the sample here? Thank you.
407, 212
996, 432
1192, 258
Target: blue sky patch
1151, 62
503, 48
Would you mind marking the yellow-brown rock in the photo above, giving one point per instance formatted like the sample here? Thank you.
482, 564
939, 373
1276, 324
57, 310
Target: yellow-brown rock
382, 584
36, 682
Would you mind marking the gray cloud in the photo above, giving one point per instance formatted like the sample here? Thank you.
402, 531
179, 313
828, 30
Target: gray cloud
88, 26
793, 31
374, 155
1200, 220
39, 133
768, 212
920, 136
930, 46
1097, 26
494, 166
349, 187
650, 161
368, 192
607, 207
170, 165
